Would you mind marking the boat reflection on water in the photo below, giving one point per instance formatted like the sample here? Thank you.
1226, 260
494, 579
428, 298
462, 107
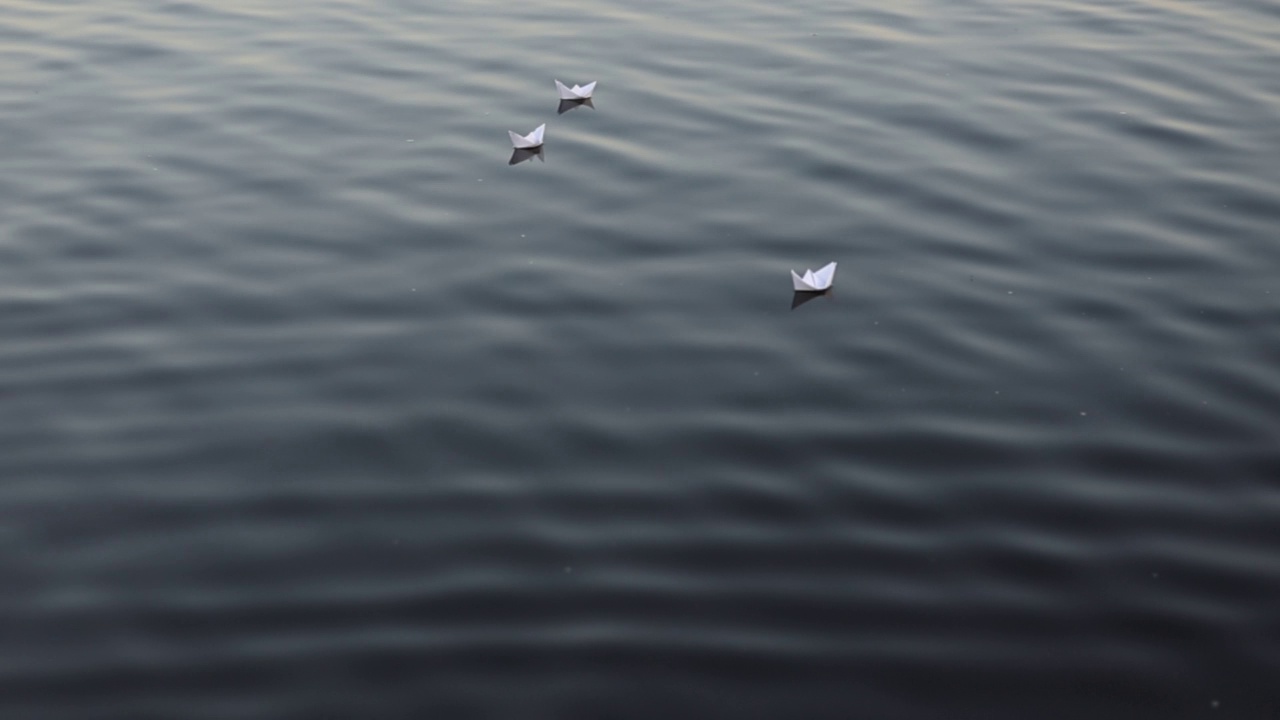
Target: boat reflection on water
567, 105
799, 297
519, 155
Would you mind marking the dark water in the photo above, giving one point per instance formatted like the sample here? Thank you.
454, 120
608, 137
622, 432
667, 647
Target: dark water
311, 406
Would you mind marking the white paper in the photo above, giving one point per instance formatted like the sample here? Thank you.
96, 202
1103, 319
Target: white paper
577, 92
532, 140
814, 281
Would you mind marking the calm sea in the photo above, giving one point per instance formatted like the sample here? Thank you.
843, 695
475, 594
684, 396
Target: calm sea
312, 405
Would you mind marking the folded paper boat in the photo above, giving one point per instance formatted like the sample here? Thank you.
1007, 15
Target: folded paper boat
530, 141
814, 281
577, 92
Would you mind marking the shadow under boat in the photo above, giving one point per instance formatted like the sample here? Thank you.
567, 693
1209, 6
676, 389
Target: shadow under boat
800, 297
519, 155
567, 105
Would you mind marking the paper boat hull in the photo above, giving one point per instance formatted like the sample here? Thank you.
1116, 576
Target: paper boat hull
814, 281
577, 92
530, 141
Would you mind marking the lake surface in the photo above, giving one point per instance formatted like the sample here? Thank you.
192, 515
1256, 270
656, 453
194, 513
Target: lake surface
314, 406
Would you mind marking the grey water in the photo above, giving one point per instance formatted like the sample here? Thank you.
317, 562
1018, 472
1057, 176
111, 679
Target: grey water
314, 405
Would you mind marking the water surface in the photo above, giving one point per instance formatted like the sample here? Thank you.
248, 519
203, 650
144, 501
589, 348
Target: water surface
311, 405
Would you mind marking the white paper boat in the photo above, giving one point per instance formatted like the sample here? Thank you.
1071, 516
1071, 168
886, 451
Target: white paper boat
814, 281
532, 140
577, 92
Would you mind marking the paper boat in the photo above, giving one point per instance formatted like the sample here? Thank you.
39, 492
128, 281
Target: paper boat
577, 92
814, 281
532, 140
